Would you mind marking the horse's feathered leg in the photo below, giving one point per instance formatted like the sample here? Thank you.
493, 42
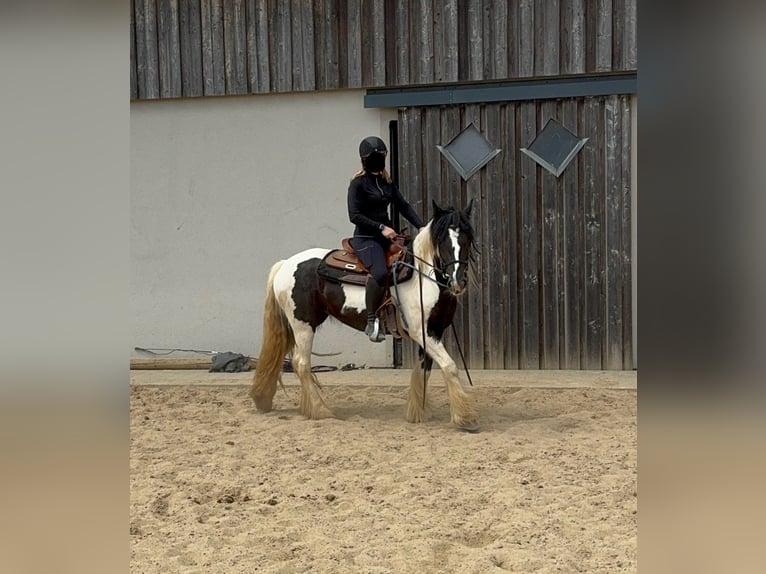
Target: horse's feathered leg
417, 409
461, 403
311, 406
277, 342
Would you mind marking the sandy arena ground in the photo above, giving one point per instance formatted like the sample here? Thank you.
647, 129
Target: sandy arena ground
548, 485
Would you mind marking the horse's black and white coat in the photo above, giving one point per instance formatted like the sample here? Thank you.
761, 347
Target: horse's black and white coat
299, 300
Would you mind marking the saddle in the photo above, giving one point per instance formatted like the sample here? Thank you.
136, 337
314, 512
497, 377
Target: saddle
343, 266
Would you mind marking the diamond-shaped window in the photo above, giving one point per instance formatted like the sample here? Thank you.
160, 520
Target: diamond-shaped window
468, 151
554, 147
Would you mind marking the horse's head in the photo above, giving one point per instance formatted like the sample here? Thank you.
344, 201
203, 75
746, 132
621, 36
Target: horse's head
453, 241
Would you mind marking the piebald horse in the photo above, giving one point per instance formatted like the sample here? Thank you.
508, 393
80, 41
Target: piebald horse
299, 300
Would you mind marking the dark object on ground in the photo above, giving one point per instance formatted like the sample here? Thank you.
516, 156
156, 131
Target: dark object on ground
229, 362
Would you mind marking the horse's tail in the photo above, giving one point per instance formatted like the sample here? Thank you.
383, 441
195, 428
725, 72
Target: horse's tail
278, 340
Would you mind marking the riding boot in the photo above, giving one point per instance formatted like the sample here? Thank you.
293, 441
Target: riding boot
373, 298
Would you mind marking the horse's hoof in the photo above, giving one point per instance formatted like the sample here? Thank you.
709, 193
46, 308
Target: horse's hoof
469, 426
263, 405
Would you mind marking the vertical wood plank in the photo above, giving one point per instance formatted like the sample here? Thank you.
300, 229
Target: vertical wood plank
565, 46
341, 31
475, 342
487, 40
133, 80
191, 48
613, 212
495, 220
591, 31
438, 41
296, 43
572, 276
510, 158
391, 7
415, 190
208, 81
627, 234
259, 55
604, 36
213, 48
354, 44
618, 34
366, 41
449, 41
169, 49
320, 32
474, 32
514, 41
280, 46
629, 44
498, 15
551, 37
147, 67
549, 277
235, 46
431, 167
451, 125
573, 37
462, 42
539, 36
332, 43
529, 245
423, 42
219, 47
402, 43
308, 46
378, 44
593, 200
526, 38
302, 24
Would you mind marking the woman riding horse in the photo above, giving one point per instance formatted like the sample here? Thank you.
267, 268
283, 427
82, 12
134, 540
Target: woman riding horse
369, 196
299, 300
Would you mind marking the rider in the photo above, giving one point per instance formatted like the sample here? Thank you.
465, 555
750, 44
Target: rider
369, 195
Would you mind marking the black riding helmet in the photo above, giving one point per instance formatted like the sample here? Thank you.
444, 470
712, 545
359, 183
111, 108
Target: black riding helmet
370, 145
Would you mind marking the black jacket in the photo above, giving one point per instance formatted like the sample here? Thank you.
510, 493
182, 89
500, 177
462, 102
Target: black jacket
368, 199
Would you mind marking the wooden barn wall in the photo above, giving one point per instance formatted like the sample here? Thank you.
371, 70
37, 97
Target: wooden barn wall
187, 48
553, 272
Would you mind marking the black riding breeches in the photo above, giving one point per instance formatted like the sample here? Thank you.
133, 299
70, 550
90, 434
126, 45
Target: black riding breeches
372, 253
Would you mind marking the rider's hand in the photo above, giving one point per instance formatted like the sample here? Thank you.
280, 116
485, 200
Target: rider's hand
389, 233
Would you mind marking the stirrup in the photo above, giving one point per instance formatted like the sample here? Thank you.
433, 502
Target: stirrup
374, 331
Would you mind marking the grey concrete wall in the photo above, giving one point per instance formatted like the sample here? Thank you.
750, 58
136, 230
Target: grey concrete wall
221, 188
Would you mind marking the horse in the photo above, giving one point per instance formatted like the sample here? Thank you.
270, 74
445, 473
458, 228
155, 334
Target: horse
299, 300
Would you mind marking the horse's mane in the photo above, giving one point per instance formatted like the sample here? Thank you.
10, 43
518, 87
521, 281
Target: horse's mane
437, 231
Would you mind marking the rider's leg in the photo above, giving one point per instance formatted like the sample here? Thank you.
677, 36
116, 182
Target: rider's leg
373, 300
376, 288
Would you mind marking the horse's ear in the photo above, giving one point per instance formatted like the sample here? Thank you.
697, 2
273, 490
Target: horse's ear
437, 210
468, 209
